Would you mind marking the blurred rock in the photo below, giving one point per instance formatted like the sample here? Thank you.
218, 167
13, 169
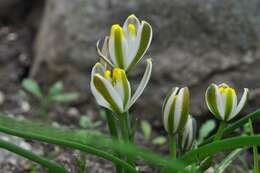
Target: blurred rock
196, 42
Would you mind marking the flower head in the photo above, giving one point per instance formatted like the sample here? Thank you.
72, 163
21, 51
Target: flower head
175, 110
188, 135
126, 45
112, 89
222, 101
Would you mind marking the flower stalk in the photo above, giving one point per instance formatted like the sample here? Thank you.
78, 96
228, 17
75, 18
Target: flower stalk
255, 150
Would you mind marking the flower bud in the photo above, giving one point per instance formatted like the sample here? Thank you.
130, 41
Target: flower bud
175, 110
222, 101
188, 135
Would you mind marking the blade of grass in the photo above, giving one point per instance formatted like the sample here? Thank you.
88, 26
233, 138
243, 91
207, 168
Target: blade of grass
50, 165
255, 152
254, 115
82, 140
228, 160
219, 146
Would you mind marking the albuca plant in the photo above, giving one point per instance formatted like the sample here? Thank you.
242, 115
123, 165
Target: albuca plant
110, 85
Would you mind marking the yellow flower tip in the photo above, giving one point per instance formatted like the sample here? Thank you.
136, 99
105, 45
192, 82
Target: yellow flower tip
117, 29
107, 74
117, 72
132, 29
224, 89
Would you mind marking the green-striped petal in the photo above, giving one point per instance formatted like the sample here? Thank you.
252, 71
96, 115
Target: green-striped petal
143, 83
143, 40
229, 97
104, 53
122, 86
189, 134
106, 89
241, 104
98, 69
211, 100
118, 46
182, 104
168, 110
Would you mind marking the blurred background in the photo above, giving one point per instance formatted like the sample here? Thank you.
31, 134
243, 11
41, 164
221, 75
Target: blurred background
195, 43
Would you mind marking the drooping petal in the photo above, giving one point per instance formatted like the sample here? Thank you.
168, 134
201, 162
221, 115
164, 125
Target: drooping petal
106, 89
98, 68
104, 53
168, 109
181, 109
241, 104
211, 100
118, 46
143, 83
143, 40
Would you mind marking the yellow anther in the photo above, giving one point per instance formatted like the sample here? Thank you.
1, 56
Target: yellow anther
116, 74
117, 29
132, 29
224, 89
107, 74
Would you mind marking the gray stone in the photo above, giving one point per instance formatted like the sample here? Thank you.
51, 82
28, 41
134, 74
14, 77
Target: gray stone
195, 42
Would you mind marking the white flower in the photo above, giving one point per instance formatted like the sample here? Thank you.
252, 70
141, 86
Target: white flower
112, 90
175, 110
222, 101
126, 45
187, 137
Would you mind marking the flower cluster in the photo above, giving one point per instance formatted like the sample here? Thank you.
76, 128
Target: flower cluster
121, 51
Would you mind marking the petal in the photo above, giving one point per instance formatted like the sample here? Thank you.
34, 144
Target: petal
118, 46
189, 134
132, 19
104, 53
167, 109
241, 104
143, 40
106, 89
98, 68
143, 83
122, 86
211, 100
230, 97
182, 109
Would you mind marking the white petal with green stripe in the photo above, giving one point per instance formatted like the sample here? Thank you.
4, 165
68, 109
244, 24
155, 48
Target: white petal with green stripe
175, 110
222, 101
187, 138
143, 83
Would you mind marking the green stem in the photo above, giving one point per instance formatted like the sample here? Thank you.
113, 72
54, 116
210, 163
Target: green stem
255, 152
173, 145
219, 133
111, 121
125, 132
52, 166
208, 161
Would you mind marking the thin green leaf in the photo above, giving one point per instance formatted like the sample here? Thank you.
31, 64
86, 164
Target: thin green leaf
84, 141
32, 87
67, 97
52, 166
228, 160
146, 129
254, 115
219, 146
